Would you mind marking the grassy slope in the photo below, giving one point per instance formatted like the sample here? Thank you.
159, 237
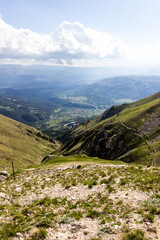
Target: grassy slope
77, 159
21, 143
119, 109
110, 140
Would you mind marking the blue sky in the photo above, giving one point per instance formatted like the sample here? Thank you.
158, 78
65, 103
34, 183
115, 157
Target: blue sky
132, 24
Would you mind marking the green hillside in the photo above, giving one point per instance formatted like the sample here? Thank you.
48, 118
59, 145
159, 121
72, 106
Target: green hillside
22, 144
128, 132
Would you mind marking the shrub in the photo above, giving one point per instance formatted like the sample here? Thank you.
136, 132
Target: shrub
135, 234
40, 235
9, 230
122, 181
76, 215
149, 217
93, 214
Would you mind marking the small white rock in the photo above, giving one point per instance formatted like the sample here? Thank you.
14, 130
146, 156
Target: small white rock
116, 226
18, 189
48, 179
2, 195
19, 235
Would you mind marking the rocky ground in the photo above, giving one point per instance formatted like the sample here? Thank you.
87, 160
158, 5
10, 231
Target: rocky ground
80, 201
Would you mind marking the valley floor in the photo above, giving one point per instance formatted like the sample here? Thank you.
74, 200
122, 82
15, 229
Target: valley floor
81, 201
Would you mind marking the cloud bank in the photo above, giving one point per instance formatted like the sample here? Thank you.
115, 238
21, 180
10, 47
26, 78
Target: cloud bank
72, 44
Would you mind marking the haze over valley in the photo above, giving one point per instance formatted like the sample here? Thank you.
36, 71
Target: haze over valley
57, 97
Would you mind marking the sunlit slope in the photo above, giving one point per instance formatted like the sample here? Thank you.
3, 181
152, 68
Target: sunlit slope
128, 132
22, 144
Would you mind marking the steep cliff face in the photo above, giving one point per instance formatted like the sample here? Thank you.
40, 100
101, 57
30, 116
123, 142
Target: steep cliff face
130, 132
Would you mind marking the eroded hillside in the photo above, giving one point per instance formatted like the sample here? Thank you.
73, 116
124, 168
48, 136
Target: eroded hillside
130, 132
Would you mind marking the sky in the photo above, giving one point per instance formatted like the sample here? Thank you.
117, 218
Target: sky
85, 33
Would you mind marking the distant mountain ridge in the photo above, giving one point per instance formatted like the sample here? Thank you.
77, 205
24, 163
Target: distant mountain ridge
118, 90
69, 85
51, 99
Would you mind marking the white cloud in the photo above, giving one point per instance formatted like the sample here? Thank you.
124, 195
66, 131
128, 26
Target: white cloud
72, 44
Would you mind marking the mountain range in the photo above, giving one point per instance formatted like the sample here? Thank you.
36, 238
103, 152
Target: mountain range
56, 99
